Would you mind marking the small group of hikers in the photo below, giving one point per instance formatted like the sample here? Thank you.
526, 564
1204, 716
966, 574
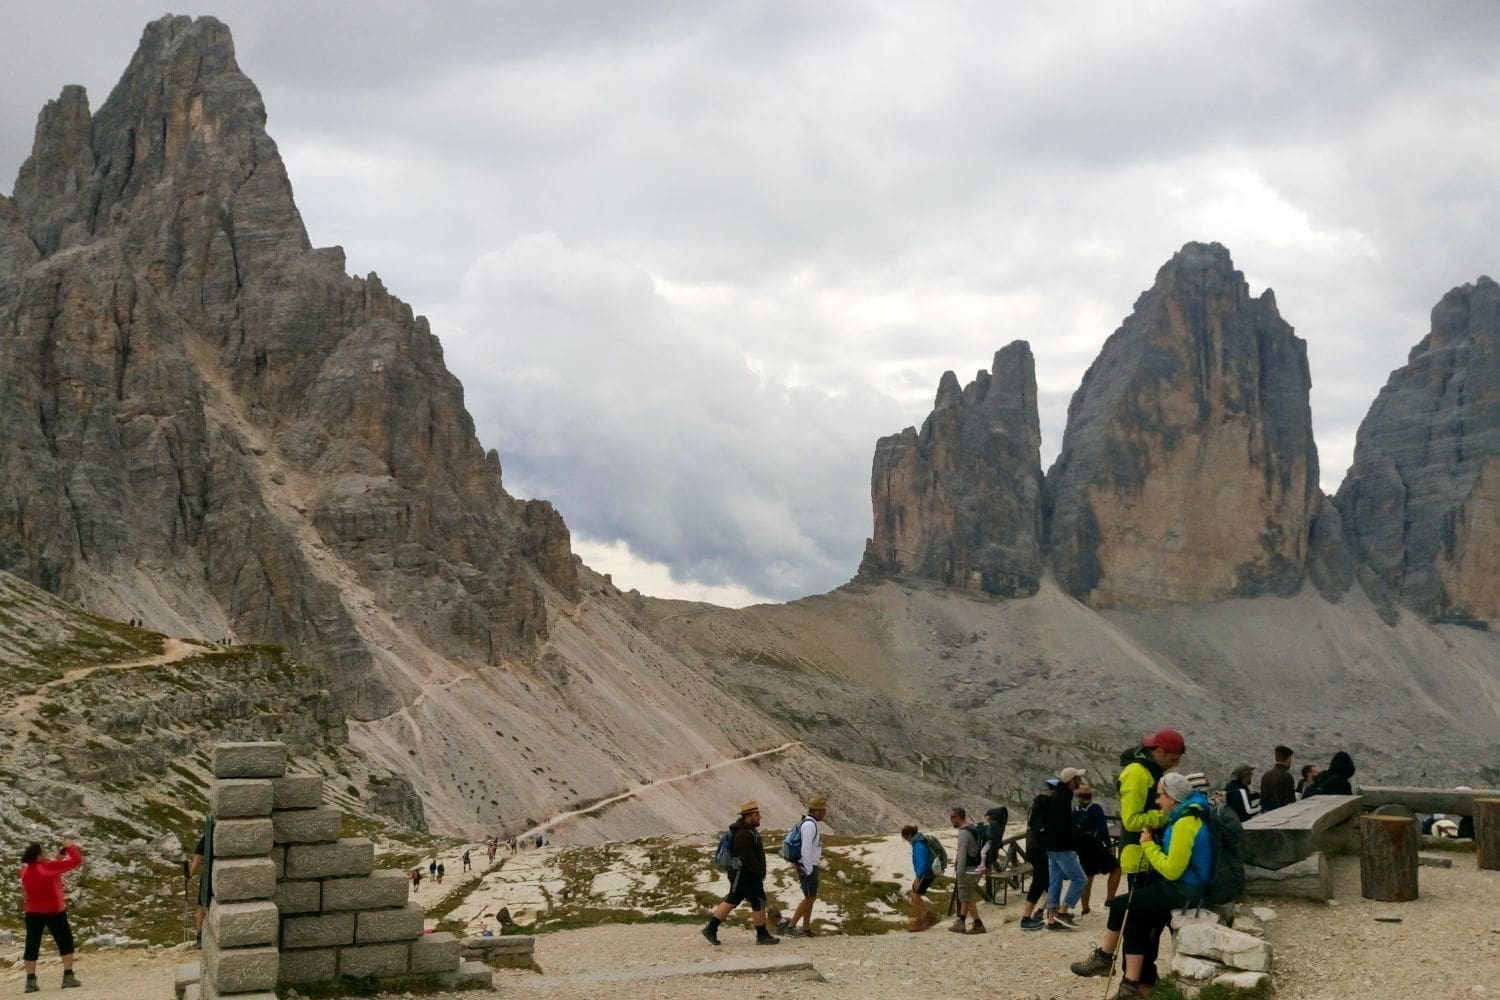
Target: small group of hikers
742, 854
1277, 788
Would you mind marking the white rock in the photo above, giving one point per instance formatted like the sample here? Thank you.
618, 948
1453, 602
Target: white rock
1233, 948
1194, 915
1265, 913
1249, 924
1197, 969
1244, 980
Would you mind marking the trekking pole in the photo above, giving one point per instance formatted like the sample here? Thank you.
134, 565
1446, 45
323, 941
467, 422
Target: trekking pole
1120, 945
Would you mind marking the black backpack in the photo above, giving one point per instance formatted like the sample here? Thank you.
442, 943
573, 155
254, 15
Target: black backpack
1226, 835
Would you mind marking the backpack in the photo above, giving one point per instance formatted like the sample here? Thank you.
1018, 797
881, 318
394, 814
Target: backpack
724, 858
1083, 827
938, 854
791, 844
1228, 879
972, 861
989, 834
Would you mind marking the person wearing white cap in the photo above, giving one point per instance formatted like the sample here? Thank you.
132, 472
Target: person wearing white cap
1062, 857
1183, 864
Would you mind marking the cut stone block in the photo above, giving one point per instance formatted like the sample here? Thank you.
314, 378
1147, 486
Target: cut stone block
1199, 970
376, 926
298, 791
435, 953
239, 798
374, 960
323, 930
250, 760
238, 970
299, 897
238, 879
307, 826
470, 976
1181, 918
185, 975
310, 965
242, 838
278, 856
349, 856
382, 889
241, 925
1240, 951
1244, 980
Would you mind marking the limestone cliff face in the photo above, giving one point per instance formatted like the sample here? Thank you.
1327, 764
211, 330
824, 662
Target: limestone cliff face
962, 501
206, 422
1188, 471
1421, 504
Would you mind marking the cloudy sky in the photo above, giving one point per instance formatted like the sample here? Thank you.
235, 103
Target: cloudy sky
691, 259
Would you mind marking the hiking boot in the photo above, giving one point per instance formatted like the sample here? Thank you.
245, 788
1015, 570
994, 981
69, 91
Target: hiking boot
783, 924
957, 926
1097, 964
1130, 990
976, 928
1058, 925
1031, 923
70, 981
31, 986
931, 920
712, 937
790, 931
1066, 918
766, 939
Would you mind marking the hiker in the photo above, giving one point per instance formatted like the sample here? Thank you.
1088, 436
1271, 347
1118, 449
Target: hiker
466, 861
965, 878
1182, 866
1237, 793
1062, 859
539, 841
807, 867
47, 909
1309, 774
416, 878
1335, 780
1140, 769
993, 832
440, 871
747, 882
202, 863
1040, 877
1277, 788
1095, 846
432, 869
924, 873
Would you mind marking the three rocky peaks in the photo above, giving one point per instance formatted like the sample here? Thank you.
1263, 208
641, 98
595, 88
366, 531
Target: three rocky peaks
1188, 471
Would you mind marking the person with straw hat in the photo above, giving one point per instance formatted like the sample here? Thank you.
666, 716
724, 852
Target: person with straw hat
747, 881
807, 865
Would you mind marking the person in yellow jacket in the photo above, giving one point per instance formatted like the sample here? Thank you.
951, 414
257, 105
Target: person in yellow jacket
1183, 865
1140, 769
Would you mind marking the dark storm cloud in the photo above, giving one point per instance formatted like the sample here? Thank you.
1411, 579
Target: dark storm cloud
691, 259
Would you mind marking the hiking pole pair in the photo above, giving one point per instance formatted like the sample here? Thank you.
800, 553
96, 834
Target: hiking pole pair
1120, 944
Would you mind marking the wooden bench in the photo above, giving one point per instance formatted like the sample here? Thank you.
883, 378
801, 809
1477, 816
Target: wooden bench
1014, 873
1293, 832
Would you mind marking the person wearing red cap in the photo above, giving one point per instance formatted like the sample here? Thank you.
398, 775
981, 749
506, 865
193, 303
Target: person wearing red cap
1140, 769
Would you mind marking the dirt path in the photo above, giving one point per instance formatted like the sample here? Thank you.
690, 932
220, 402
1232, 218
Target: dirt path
648, 786
20, 713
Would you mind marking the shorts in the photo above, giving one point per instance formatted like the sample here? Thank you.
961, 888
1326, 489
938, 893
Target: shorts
744, 890
809, 882
925, 884
1096, 858
967, 887
56, 924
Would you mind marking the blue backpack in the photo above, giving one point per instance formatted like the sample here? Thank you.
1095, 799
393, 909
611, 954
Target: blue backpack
791, 844
724, 858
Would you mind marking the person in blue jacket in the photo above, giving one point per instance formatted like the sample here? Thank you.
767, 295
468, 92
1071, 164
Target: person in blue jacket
1181, 867
923, 915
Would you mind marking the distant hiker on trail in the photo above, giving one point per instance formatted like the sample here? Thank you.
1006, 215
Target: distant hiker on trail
1036, 854
1238, 796
432, 869
1094, 844
440, 872
539, 841
747, 877
466, 861
965, 878
1309, 774
1277, 788
1141, 768
1183, 866
811, 856
926, 865
1337, 780
47, 909
202, 864
416, 878
1062, 858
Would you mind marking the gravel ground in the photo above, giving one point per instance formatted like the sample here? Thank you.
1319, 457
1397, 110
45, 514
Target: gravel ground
1447, 946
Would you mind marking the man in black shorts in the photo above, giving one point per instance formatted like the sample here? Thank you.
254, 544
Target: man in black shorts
747, 883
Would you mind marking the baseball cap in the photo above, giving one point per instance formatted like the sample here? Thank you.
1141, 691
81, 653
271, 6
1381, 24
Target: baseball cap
1169, 740
1067, 774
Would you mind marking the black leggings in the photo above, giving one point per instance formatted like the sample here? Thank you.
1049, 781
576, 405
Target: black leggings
57, 924
1039, 877
1151, 902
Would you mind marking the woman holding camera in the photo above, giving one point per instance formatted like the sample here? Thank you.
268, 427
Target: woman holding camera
47, 908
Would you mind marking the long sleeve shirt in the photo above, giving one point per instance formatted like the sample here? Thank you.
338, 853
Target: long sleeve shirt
42, 881
921, 857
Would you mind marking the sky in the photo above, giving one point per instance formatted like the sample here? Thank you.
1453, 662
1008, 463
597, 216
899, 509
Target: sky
690, 260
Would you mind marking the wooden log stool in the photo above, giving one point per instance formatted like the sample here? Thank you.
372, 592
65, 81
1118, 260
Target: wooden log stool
1487, 832
1388, 858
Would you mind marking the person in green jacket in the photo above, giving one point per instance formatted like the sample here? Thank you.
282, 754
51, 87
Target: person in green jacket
1140, 769
1183, 864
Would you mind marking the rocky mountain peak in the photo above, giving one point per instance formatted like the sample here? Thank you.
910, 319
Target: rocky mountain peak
961, 502
1420, 502
1188, 470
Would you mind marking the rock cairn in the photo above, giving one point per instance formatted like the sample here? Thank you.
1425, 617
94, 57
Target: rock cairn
295, 904
1205, 951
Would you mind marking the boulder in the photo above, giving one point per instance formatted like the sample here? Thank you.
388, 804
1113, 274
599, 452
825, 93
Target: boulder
1223, 944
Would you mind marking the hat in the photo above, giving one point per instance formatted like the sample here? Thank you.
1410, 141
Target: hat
1198, 780
1083, 792
817, 802
1067, 774
1177, 786
1169, 740
749, 807
1240, 769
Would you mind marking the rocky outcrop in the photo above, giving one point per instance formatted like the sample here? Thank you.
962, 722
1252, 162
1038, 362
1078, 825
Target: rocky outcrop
1188, 470
207, 423
961, 502
1421, 504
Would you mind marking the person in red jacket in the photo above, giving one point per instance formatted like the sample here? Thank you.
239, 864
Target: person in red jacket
47, 909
